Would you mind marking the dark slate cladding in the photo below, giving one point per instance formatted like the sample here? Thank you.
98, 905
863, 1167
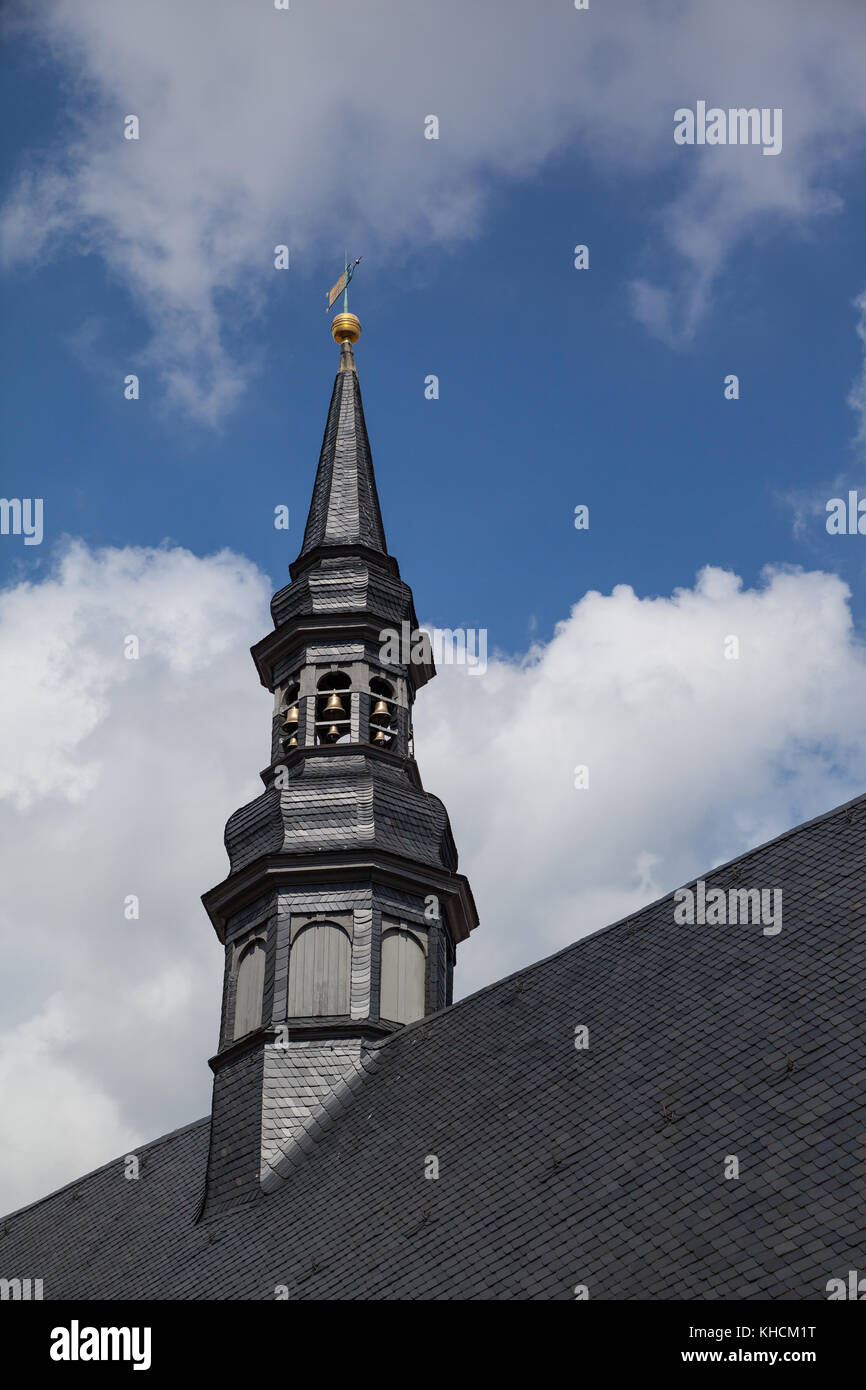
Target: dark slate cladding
344, 585
557, 1167
403, 905
235, 1131
259, 915
255, 829
345, 507
438, 970
343, 801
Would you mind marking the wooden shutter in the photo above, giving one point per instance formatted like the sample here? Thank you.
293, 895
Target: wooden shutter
403, 975
320, 969
250, 986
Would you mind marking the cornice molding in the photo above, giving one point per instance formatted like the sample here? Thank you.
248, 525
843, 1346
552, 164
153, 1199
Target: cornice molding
276, 870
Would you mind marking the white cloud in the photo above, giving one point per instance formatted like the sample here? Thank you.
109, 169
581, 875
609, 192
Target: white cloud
55, 1122
692, 757
305, 126
806, 508
119, 776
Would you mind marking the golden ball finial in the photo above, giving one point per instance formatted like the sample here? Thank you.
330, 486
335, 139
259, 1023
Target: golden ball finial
346, 328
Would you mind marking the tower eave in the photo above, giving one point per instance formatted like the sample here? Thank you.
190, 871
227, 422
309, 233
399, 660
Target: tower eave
277, 870
361, 626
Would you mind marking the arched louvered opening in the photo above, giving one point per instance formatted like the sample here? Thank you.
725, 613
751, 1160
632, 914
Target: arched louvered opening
403, 976
383, 713
333, 707
320, 971
249, 988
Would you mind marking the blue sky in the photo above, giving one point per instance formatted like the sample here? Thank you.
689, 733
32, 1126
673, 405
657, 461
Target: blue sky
551, 394
557, 387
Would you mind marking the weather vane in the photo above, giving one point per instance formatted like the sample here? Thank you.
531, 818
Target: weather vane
342, 285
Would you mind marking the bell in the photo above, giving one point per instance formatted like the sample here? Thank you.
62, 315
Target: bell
380, 709
292, 715
333, 734
381, 737
334, 705
292, 743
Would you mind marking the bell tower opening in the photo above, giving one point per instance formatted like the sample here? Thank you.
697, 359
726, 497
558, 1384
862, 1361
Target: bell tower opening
291, 716
383, 714
333, 707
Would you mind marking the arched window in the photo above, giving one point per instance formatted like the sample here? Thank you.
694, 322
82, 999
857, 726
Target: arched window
403, 974
249, 988
320, 970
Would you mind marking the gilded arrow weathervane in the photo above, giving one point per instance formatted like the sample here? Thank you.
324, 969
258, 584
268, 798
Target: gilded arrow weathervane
342, 285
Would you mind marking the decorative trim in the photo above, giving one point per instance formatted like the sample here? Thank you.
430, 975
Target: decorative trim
301, 920
421, 936
242, 943
277, 870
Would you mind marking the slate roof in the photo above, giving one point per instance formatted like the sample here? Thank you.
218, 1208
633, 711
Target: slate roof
349, 800
345, 506
347, 585
557, 1166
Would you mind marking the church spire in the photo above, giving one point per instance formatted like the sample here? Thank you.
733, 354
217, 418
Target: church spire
343, 907
345, 507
